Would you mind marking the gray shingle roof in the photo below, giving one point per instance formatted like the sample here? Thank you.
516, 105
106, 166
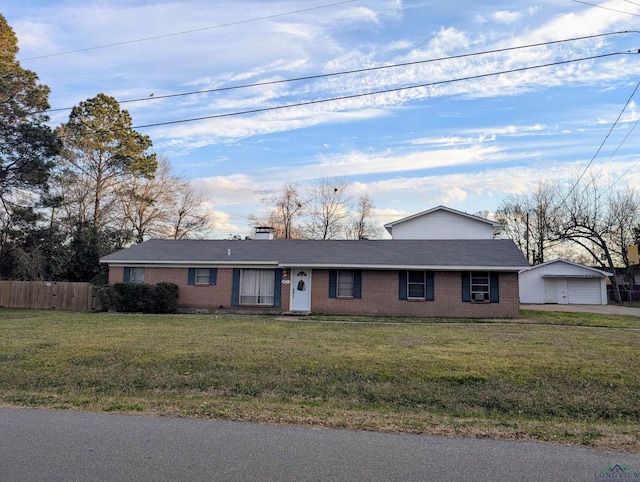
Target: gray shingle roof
381, 254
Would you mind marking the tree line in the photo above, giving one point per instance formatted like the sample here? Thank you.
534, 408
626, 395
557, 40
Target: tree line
325, 209
586, 221
72, 194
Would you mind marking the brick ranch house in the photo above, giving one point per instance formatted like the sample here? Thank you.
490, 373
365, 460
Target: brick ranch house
470, 278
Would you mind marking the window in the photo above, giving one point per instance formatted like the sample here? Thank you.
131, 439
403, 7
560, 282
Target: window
416, 284
202, 276
345, 283
134, 275
257, 287
480, 286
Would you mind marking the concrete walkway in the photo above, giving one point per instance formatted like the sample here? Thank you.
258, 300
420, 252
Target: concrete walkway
606, 309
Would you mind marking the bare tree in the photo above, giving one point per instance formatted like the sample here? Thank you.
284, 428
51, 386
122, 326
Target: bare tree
287, 207
363, 224
328, 208
189, 217
163, 206
624, 211
601, 222
528, 219
144, 202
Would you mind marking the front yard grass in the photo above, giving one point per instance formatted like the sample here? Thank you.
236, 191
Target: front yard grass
562, 378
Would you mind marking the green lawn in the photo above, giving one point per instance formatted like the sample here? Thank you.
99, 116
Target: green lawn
565, 377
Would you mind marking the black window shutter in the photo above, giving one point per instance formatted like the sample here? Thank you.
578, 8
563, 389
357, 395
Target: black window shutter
192, 276
357, 284
277, 289
333, 283
466, 286
127, 275
213, 276
402, 286
494, 288
430, 287
235, 287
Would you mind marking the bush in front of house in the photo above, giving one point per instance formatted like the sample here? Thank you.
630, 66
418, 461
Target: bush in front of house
139, 297
166, 297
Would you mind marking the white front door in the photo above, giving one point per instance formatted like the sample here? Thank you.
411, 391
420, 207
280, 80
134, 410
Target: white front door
300, 289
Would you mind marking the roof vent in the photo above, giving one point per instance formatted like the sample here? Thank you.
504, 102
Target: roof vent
264, 232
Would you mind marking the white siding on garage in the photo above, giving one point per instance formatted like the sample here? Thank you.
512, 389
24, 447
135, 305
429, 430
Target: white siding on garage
584, 291
571, 282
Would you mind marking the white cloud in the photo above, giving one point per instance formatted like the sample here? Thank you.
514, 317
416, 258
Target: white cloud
506, 16
454, 194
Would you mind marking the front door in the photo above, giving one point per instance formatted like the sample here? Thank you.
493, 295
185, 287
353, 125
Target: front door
301, 289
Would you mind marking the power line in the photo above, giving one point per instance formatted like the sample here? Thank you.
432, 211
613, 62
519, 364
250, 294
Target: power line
601, 145
386, 91
187, 31
633, 3
624, 173
606, 8
617, 148
356, 71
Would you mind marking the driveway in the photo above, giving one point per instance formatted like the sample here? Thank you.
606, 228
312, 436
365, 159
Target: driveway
605, 309
47, 445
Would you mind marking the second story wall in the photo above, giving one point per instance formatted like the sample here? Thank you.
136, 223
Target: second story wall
442, 225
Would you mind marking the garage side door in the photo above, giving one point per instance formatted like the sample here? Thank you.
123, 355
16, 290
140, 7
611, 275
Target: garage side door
584, 291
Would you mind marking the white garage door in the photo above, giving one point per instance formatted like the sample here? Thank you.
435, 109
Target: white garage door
584, 291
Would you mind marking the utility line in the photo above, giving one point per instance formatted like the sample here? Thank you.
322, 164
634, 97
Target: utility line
624, 173
187, 31
617, 149
354, 96
601, 145
606, 8
356, 71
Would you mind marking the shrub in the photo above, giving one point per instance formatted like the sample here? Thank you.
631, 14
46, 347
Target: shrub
166, 297
108, 297
140, 297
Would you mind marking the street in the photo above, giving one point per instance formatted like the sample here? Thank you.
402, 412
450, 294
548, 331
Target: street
45, 445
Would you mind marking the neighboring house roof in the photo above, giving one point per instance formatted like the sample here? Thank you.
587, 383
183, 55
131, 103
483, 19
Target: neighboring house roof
592, 272
485, 254
389, 226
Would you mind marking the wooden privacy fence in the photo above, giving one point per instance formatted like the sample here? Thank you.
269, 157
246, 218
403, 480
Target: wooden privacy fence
48, 294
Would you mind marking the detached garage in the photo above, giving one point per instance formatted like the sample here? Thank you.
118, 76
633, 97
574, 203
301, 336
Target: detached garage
563, 282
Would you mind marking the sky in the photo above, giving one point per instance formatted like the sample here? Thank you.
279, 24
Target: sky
435, 119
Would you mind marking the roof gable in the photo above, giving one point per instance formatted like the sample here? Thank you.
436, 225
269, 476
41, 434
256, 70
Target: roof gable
568, 263
442, 209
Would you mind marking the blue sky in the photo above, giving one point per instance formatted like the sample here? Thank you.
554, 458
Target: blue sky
464, 144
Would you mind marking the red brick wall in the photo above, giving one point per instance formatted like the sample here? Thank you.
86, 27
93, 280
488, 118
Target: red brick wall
198, 296
379, 295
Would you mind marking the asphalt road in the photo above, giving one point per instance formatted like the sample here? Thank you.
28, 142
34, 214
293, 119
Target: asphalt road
42, 445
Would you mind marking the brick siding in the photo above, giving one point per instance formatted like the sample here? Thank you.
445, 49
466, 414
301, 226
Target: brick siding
379, 295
